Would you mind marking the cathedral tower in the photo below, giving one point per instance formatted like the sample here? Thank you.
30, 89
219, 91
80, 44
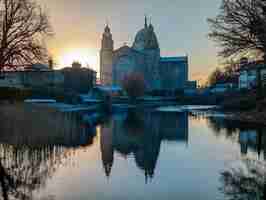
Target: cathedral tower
106, 57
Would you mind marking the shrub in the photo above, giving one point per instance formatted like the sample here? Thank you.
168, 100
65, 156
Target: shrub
134, 85
14, 94
240, 103
261, 106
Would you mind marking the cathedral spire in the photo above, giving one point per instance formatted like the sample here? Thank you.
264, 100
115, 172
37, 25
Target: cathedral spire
107, 40
146, 24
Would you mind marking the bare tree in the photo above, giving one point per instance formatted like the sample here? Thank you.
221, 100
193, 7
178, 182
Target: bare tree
215, 77
240, 28
134, 85
23, 26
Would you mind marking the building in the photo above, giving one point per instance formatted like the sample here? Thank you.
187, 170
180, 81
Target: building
248, 75
79, 79
160, 73
31, 79
71, 79
222, 87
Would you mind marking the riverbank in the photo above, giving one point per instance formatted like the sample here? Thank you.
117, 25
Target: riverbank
245, 108
254, 116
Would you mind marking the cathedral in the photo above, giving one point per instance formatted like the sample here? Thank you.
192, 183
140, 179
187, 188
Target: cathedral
160, 73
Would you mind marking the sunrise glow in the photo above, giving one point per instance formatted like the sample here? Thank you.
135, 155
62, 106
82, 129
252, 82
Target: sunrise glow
84, 56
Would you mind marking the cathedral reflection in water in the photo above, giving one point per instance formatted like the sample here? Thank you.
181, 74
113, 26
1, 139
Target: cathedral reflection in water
141, 135
38, 144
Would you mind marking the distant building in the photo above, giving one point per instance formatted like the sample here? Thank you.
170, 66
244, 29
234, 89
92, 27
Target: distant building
222, 88
74, 79
31, 79
248, 74
191, 85
160, 73
79, 79
191, 88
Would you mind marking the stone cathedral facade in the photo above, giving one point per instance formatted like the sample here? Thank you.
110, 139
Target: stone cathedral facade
160, 73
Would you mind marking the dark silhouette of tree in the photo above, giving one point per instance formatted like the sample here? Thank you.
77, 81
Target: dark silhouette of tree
229, 73
134, 85
240, 27
215, 77
24, 24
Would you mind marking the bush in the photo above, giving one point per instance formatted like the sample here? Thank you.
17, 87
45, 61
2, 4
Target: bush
14, 94
240, 103
134, 85
261, 105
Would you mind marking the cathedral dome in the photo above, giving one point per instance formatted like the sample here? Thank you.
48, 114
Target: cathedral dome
146, 39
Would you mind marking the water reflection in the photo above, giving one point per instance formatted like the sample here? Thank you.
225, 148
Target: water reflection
246, 181
141, 134
251, 137
33, 145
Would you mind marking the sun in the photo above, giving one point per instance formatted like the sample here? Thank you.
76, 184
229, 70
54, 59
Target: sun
84, 56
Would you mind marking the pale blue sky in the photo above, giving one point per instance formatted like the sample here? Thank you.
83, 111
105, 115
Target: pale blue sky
180, 25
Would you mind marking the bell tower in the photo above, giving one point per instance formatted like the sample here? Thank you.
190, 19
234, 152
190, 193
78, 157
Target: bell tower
106, 57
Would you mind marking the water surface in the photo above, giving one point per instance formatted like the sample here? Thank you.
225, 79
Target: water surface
135, 155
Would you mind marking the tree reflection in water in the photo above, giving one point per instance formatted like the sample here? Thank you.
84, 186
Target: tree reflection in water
246, 181
24, 170
34, 142
251, 137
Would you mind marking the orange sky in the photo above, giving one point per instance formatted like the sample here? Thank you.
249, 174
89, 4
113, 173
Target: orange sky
180, 25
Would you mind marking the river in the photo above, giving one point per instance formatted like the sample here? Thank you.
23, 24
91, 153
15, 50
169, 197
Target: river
131, 155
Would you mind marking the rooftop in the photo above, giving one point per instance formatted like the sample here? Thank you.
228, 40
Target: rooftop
174, 59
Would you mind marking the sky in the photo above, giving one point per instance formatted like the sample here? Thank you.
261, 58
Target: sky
180, 25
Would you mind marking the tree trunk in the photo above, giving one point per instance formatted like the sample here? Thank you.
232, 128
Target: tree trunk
2, 182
